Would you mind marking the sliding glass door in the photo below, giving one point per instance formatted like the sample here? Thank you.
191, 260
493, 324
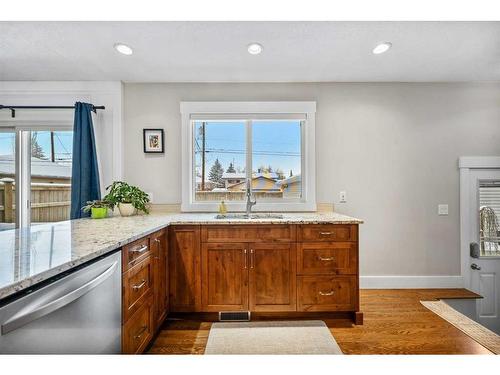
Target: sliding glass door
35, 175
50, 172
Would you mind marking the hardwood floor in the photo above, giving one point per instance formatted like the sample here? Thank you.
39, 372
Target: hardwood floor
395, 322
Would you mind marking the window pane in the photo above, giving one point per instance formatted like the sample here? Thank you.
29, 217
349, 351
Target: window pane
276, 159
489, 218
220, 159
7, 178
51, 157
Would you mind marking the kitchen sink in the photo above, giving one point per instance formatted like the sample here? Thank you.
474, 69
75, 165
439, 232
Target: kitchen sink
249, 217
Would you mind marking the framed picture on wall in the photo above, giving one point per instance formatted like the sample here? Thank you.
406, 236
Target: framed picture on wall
153, 141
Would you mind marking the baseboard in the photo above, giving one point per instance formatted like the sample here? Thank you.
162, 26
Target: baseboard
410, 282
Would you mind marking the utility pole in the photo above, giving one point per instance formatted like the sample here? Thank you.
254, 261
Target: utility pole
52, 152
203, 156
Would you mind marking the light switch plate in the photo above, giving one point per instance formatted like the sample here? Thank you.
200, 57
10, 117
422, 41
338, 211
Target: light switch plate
342, 197
442, 209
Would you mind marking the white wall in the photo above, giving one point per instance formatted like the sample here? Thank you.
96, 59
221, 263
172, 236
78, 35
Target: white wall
107, 123
393, 147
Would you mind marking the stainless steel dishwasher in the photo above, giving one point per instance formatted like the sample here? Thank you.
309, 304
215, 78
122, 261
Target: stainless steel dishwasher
79, 313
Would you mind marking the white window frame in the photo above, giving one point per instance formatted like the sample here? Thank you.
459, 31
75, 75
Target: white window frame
244, 110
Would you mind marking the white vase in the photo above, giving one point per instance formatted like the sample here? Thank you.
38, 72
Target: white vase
126, 209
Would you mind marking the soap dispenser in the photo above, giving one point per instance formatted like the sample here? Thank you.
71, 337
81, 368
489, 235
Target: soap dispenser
222, 208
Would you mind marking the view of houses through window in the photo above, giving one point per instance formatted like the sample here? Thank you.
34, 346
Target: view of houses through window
224, 159
50, 195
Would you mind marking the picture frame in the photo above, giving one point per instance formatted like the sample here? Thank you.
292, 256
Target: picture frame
153, 141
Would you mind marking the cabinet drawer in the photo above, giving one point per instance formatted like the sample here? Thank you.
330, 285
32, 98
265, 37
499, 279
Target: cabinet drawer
137, 286
324, 293
138, 331
134, 252
327, 258
248, 233
328, 232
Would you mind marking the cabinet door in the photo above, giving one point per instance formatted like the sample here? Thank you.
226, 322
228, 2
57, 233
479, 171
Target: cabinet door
224, 268
185, 268
159, 249
272, 276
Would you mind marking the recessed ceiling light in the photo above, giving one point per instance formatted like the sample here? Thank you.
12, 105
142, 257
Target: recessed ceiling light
255, 48
382, 47
123, 48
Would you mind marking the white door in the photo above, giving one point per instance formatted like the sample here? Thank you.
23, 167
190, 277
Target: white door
485, 232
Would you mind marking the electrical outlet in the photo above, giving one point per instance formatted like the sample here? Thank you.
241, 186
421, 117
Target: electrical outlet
442, 209
342, 197
150, 196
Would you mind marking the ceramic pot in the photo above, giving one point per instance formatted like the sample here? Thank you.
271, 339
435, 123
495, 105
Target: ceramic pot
98, 212
126, 209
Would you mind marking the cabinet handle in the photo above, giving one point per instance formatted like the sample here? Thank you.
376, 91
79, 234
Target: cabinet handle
140, 333
245, 256
251, 258
330, 293
140, 250
157, 240
139, 286
325, 259
325, 233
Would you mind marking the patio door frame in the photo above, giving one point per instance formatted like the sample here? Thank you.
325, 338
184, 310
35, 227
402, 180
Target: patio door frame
467, 164
22, 130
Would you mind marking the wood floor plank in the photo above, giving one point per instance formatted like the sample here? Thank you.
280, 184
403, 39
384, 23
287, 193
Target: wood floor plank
395, 322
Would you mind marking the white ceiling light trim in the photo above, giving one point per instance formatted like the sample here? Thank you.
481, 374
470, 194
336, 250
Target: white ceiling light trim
255, 48
382, 47
123, 49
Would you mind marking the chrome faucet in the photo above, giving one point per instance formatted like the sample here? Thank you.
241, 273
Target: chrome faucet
249, 197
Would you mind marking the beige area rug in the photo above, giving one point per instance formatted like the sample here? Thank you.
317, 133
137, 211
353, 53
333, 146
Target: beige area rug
286, 337
471, 328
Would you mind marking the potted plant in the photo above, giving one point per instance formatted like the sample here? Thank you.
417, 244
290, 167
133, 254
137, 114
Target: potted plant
128, 198
98, 209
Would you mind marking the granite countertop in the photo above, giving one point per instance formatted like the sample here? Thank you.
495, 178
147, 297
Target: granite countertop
31, 256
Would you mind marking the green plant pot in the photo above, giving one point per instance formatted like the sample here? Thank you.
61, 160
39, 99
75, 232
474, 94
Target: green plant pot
99, 212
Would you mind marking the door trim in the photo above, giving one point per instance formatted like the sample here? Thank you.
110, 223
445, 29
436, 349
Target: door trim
466, 165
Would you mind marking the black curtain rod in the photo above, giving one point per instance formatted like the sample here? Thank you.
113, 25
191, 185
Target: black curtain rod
14, 107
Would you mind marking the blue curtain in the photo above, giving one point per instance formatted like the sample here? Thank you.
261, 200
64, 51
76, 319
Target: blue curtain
85, 173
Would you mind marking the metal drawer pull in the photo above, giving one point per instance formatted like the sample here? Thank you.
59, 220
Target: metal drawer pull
139, 286
141, 250
141, 332
325, 233
325, 259
330, 293
157, 240
245, 256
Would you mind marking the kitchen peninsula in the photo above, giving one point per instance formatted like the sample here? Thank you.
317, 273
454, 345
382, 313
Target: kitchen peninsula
294, 265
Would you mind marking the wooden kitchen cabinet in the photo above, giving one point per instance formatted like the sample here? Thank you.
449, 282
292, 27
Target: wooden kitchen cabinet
138, 331
137, 286
224, 269
327, 258
160, 291
325, 293
272, 281
265, 268
185, 268
248, 276
145, 290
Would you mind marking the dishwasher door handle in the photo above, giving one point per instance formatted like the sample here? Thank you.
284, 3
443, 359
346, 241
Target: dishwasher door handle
18, 321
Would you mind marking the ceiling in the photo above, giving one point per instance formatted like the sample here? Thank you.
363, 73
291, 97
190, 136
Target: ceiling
217, 51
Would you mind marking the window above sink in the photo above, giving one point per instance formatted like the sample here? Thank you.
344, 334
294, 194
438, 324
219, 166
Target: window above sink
269, 143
